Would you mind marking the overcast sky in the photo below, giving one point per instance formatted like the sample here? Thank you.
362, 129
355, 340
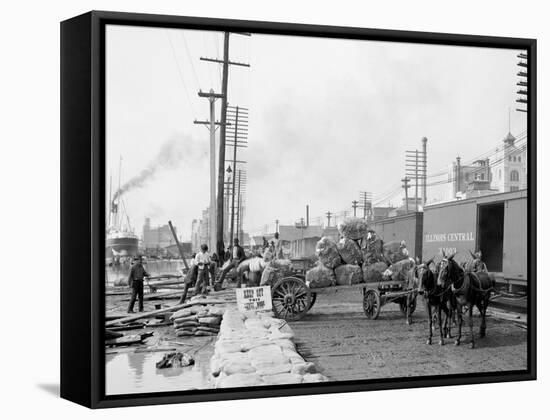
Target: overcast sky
328, 118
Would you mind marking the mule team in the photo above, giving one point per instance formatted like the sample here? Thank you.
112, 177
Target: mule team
450, 288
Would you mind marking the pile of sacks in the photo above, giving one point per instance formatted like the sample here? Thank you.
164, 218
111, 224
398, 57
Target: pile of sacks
256, 349
197, 320
275, 270
343, 262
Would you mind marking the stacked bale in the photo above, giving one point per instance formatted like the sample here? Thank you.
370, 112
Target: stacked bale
275, 270
349, 251
327, 251
320, 276
374, 272
395, 251
257, 349
353, 228
399, 270
348, 274
197, 321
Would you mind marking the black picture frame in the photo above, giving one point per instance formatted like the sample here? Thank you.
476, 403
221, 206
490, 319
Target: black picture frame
83, 195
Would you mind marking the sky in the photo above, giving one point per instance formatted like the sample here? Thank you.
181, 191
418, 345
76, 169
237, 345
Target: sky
328, 118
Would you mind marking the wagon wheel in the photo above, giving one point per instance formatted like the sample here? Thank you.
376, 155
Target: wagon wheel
371, 303
291, 298
313, 299
403, 305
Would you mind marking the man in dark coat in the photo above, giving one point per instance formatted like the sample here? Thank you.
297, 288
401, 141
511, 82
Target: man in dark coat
237, 256
373, 251
135, 281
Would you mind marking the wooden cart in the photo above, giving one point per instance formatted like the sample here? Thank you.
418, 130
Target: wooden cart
292, 298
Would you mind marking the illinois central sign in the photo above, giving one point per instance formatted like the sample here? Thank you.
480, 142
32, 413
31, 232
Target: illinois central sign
450, 237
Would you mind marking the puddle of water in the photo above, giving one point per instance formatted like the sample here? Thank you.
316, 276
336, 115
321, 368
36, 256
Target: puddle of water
130, 373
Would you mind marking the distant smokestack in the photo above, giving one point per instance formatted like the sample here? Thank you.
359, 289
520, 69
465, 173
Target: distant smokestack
307, 214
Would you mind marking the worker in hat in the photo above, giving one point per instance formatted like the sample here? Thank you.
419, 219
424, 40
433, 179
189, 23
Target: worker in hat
237, 256
476, 264
374, 247
135, 281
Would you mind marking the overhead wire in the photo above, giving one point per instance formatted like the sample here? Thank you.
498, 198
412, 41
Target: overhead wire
180, 73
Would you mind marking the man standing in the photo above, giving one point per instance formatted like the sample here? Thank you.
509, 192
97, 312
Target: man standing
135, 281
203, 262
237, 256
373, 248
278, 251
190, 278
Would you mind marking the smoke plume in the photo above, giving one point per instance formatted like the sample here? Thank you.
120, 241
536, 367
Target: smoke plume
171, 154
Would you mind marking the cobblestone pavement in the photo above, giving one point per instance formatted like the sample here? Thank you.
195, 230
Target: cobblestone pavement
345, 345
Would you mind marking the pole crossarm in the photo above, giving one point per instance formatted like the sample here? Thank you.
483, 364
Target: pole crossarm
210, 95
206, 122
232, 63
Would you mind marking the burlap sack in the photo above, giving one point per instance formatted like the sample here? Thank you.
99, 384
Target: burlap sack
353, 228
320, 276
373, 273
328, 254
348, 274
270, 276
350, 251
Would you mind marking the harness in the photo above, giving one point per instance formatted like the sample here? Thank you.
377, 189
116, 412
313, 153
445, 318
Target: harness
466, 283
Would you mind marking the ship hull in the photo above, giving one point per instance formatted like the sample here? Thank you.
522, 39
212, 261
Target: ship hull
121, 247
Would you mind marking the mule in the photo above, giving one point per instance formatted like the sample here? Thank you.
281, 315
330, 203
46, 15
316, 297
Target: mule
470, 289
437, 299
405, 271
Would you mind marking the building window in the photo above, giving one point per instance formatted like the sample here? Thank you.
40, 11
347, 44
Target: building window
500, 174
519, 158
514, 188
467, 177
510, 158
514, 176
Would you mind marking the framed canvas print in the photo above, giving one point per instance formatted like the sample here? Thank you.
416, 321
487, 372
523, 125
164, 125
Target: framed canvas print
257, 209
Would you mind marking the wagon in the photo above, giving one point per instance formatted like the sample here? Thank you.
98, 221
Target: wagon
292, 298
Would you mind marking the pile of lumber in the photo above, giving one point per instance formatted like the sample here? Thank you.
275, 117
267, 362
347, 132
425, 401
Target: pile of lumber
197, 321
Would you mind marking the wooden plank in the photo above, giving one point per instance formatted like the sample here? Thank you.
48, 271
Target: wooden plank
164, 310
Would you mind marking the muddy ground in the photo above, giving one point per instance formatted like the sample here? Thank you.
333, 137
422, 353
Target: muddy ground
345, 345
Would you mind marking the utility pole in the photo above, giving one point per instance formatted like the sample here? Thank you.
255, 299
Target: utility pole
457, 189
366, 198
425, 171
329, 215
223, 120
276, 225
237, 119
523, 82
241, 185
211, 96
406, 187
415, 169
307, 214
354, 204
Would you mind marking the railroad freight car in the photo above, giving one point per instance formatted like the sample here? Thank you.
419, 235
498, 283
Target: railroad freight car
496, 224
407, 227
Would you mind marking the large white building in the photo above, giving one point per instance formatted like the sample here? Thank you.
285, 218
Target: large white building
509, 166
504, 171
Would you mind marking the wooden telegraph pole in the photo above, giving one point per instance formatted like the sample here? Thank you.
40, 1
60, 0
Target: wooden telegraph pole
223, 120
406, 187
211, 96
354, 204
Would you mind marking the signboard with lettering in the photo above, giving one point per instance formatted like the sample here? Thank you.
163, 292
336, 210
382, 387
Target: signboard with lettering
451, 229
254, 298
